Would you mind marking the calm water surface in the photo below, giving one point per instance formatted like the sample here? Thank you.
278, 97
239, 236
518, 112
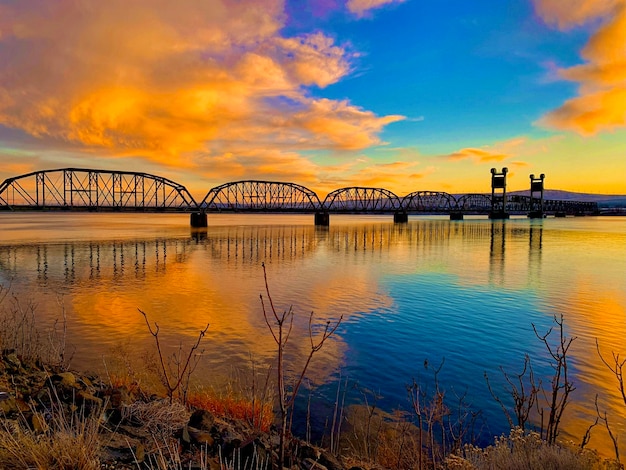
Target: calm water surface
465, 292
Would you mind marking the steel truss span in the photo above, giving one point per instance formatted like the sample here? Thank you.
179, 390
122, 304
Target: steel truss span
101, 190
362, 200
94, 190
260, 196
474, 204
429, 202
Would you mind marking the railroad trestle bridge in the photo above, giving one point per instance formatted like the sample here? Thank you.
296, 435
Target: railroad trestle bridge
77, 189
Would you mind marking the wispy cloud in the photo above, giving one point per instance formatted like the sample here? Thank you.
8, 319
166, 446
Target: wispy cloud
170, 81
496, 152
399, 176
361, 7
601, 101
478, 155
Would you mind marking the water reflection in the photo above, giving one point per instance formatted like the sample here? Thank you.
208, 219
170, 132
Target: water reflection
76, 262
433, 288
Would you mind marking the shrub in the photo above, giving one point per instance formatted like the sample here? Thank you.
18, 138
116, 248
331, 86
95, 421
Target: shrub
526, 451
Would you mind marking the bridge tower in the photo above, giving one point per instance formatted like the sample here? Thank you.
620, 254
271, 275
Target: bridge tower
536, 202
498, 201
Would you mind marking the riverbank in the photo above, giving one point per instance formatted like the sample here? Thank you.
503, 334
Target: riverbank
55, 418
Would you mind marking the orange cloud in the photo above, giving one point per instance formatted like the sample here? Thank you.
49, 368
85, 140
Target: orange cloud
340, 125
478, 155
13, 169
601, 101
360, 7
497, 152
569, 14
171, 82
398, 177
270, 165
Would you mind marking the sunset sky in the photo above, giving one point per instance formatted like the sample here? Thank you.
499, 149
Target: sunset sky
406, 95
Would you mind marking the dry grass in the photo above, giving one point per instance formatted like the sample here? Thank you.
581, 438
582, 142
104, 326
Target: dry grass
69, 440
384, 439
19, 331
168, 458
398, 445
159, 418
527, 451
228, 404
135, 371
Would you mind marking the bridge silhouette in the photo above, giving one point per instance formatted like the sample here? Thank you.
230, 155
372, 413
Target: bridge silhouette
78, 189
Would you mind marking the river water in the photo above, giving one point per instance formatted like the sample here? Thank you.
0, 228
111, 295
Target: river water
432, 291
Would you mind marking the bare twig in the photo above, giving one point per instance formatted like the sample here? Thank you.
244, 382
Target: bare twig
173, 380
523, 399
281, 331
617, 368
561, 385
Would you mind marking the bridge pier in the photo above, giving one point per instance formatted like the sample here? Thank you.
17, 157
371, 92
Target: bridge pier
499, 215
198, 219
322, 218
400, 217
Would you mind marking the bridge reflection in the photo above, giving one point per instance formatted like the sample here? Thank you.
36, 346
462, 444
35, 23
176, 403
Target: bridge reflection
74, 263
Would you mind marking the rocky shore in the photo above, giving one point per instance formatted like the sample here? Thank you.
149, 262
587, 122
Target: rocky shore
127, 427
53, 418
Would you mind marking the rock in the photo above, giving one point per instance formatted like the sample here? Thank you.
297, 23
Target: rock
13, 362
211, 464
330, 461
12, 405
252, 453
123, 449
230, 447
9, 406
85, 382
38, 423
118, 397
139, 433
202, 419
192, 435
87, 400
310, 464
65, 379
140, 453
306, 451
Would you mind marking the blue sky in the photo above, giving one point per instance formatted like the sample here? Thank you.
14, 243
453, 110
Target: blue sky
407, 95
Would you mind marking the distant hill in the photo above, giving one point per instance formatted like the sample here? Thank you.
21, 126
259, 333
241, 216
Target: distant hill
603, 200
